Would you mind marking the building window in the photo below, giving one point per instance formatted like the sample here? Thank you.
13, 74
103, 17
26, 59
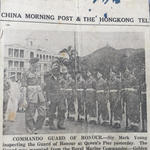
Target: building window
37, 55
16, 64
49, 57
44, 57
40, 56
31, 54
22, 53
10, 52
16, 53
21, 64
10, 64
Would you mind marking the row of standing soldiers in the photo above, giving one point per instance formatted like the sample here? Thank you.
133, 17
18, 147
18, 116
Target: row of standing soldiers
118, 101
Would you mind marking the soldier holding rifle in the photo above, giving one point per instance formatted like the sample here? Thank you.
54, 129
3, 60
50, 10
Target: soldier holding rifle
103, 115
90, 98
81, 97
132, 100
115, 100
70, 95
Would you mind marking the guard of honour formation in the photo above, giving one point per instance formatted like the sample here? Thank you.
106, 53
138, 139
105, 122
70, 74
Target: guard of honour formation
119, 102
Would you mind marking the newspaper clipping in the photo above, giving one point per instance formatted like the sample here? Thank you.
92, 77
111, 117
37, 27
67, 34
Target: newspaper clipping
75, 75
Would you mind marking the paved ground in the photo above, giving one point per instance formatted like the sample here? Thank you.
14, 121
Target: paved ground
18, 127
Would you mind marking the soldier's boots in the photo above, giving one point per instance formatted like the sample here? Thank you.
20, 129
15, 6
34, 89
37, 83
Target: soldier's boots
52, 125
35, 131
60, 125
117, 125
133, 127
47, 122
105, 123
39, 122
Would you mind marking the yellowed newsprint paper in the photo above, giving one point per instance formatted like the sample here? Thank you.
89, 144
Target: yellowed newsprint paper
74, 75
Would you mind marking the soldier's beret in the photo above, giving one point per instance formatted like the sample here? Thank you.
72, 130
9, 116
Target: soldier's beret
34, 60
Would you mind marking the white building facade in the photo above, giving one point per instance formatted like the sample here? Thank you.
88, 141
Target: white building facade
16, 59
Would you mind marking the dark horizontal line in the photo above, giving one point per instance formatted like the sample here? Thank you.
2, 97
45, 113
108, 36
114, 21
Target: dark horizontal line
147, 25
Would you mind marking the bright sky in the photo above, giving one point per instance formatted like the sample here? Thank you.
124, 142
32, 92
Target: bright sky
87, 41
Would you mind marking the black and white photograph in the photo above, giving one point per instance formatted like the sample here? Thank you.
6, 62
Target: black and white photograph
73, 82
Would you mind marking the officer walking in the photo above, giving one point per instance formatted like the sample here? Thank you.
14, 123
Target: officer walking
35, 98
55, 97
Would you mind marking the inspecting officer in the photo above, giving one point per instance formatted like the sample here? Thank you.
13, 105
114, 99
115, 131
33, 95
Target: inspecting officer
34, 96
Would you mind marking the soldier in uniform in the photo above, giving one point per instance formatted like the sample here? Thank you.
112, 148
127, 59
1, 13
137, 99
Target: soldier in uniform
103, 115
35, 98
70, 95
132, 100
55, 97
81, 96
115, 100
90, 98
